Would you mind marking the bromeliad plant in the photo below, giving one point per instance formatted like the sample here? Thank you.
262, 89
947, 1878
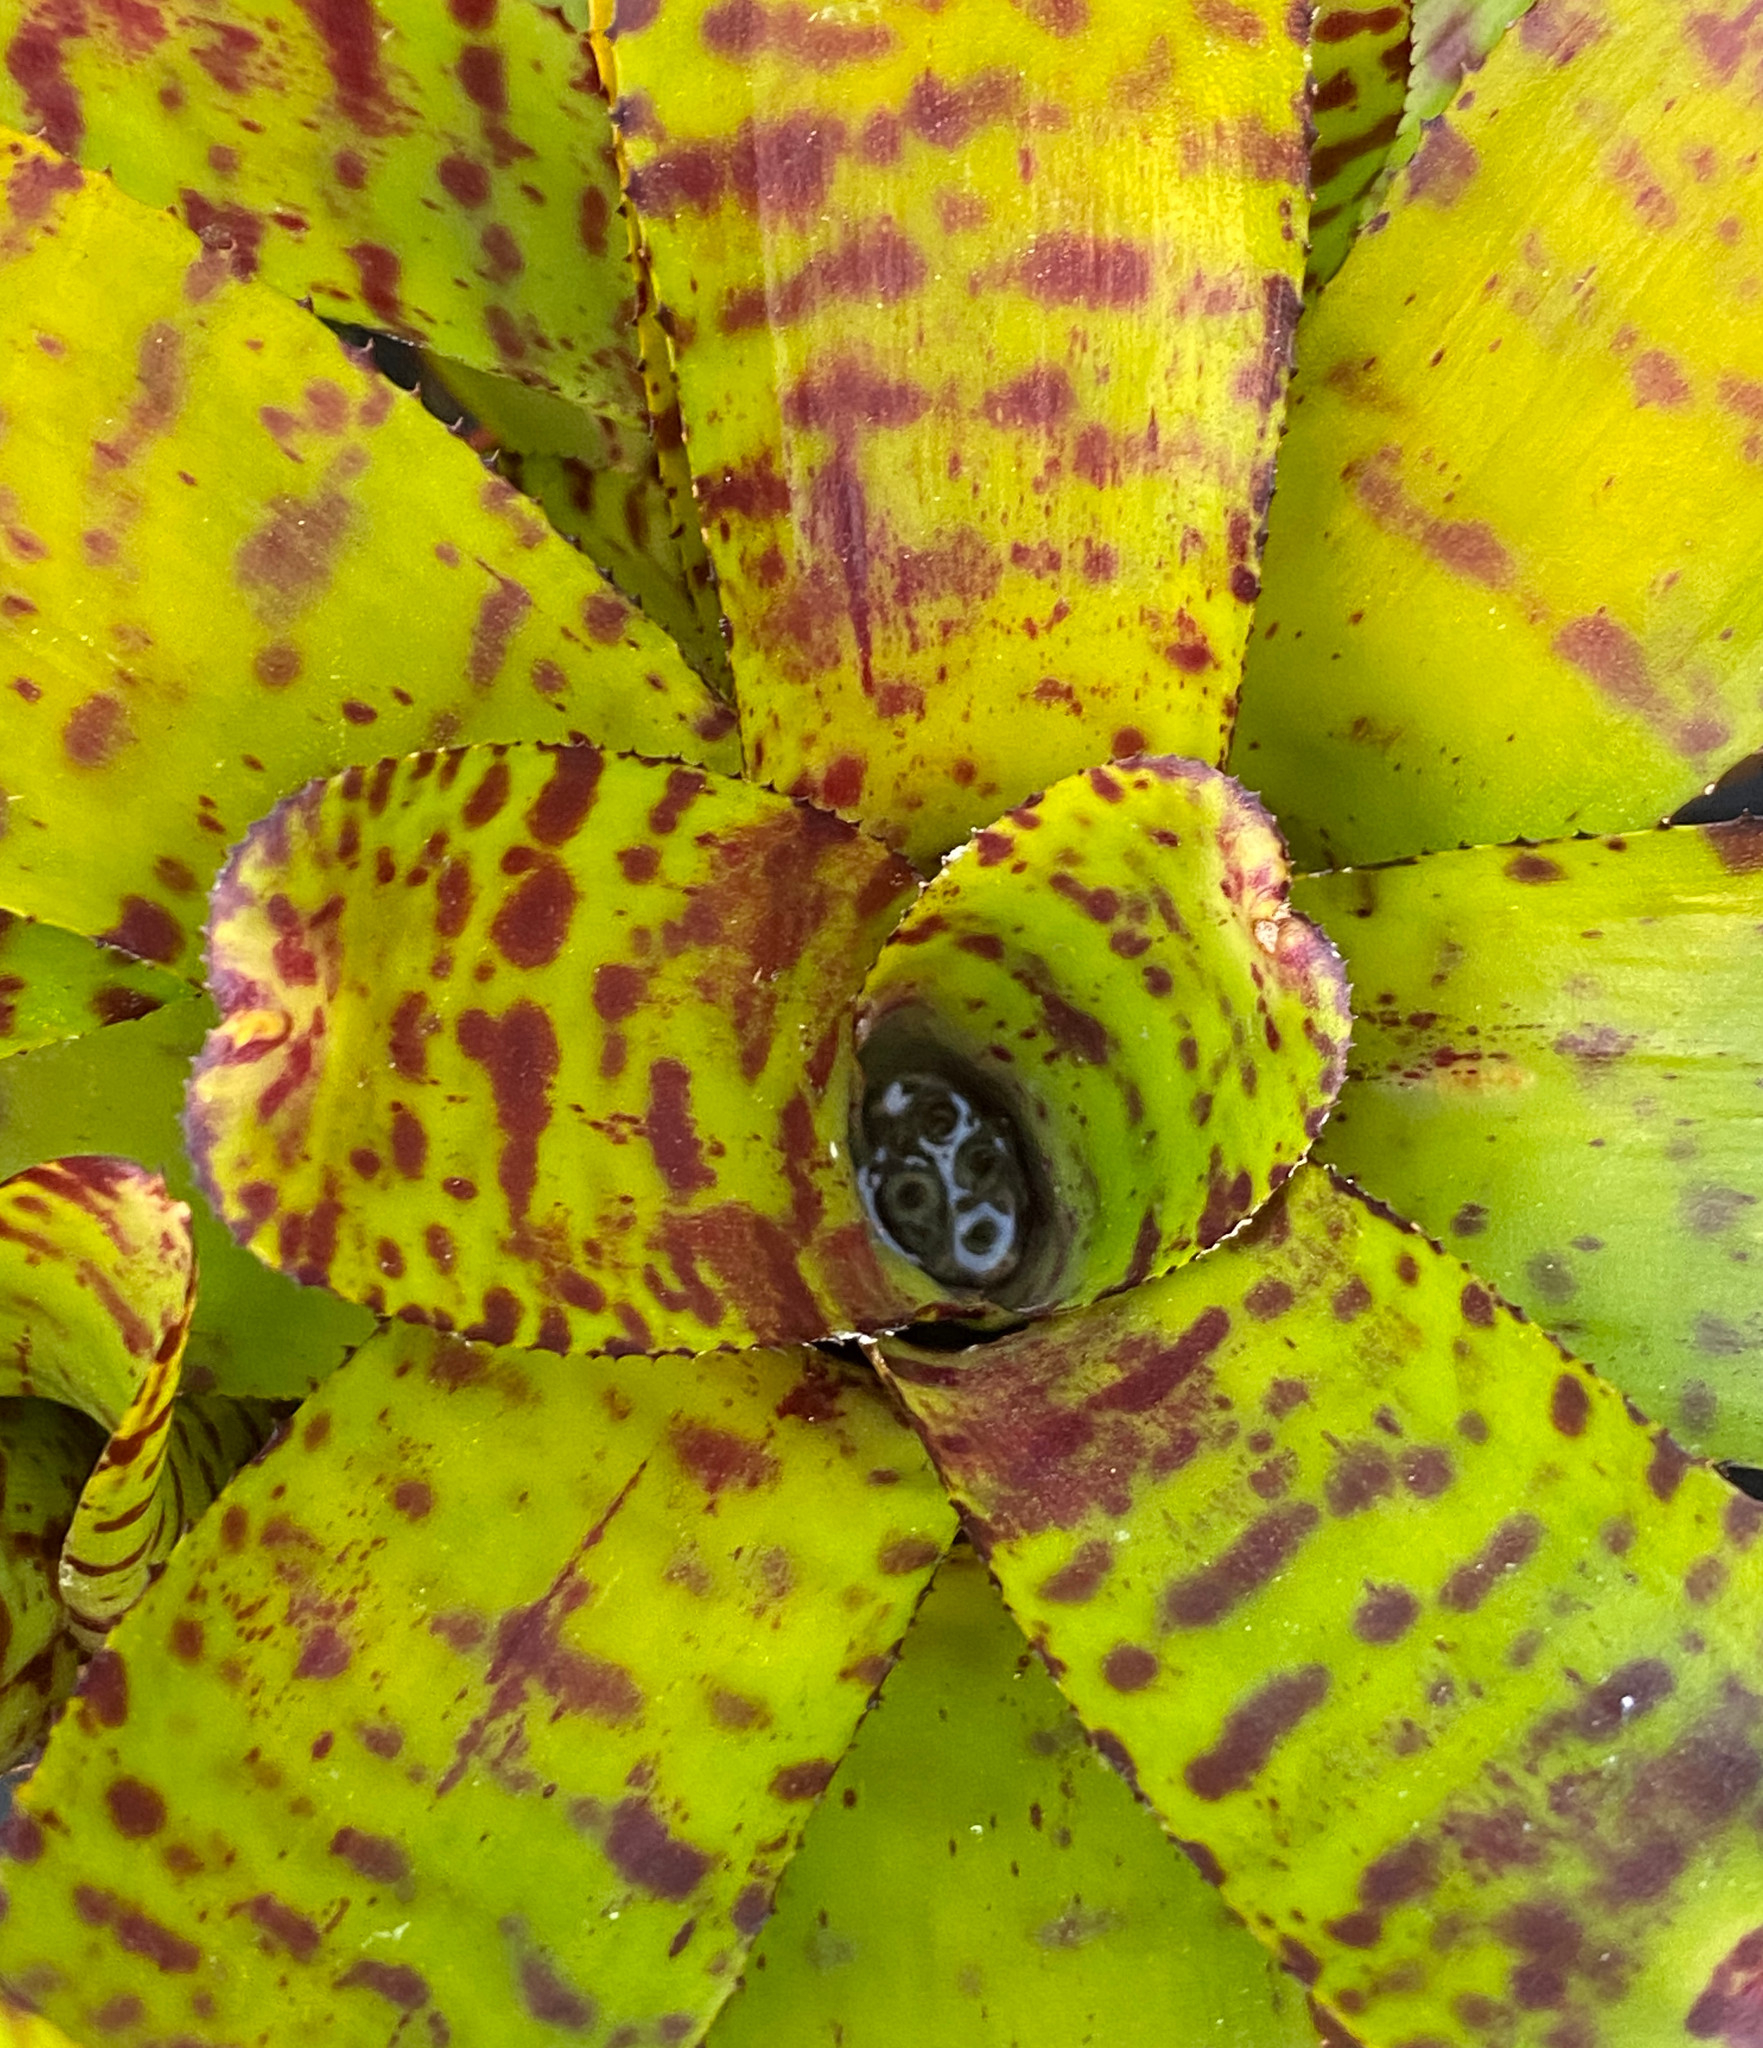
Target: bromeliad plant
655, 1145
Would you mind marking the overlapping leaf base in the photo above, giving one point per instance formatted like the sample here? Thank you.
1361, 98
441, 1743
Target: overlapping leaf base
195, 489
550, 1048
1556, 1070
982, 318
1119, 962
1510, 584
1442, 1661
976, 1875
456, 1788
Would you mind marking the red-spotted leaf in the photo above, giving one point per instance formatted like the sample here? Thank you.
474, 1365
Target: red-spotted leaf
980, 316
55, 984
1556, 1071
1442, 1660
1098, 1040
46, 1451
550, 1048
516, 1679
230, 559
447, 172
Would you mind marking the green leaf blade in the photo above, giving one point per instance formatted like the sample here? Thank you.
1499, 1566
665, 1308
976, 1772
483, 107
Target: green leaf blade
551, 1762
1399, 1613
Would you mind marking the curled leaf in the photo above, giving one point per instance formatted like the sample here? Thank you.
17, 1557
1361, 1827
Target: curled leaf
540, 1664
550, 1048
1399, 1617
46, 1451
1098, 1040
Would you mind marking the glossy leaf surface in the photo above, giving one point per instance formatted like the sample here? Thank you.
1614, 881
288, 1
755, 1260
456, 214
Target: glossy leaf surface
169, 431
975, 1874
1113, 971
550, 1047
121, 1090
55, 984
1401, 1618
1360, 58
46, 1451
492, 1789
981, 318
444, 172
1555, 1072
1510, 586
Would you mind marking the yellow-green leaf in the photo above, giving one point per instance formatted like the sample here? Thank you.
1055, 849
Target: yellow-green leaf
1098, 1040
55, 984
1556, 1071
121, 1090
1510, 586
1360, 58
444, 172
1441, 1657
167, 431
981, 317
46, 1451
976, 1875
515, 1680
550, 1048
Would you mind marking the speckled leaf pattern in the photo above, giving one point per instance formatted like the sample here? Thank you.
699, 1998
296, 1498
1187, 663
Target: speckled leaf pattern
168, 430
97, 1281
1510, 588
1119, 961
550, 1047
1555, 1071
446, 172
55, 984
46, 1451
982, 318
599, 482
121, 1090
452, 1788
1441, 1660
1360, 59
975, 1875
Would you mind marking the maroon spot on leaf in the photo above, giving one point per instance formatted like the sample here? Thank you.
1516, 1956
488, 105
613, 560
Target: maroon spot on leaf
488, 798
803, 1780
1668, 1465
1258, 1555
34, 63
413, 1498
289, 561
1068, 269
229, 230
136, 1810
409, 1143
1709, 1210
374, 1856
291, 1930
1154, 1379
721, 1461
1129, 1668
1361, 1476
1570, 1406
1443, 166
1408, 1872
946, 116
1511, 1545
1351, 1301
1038, 399
500, 615
323, 1654
1729, 2008
1385, 1615
1227, 1203
532, 925
520, 1054
751, 1910
1252, 1731
671, 1132
1477, 1305
397, 1983
562, 807
551, 2001
96, 731
118, 2014
1081, 1577
185, 1639
103, 1689
464, 181
1267, 1300
1425, 1471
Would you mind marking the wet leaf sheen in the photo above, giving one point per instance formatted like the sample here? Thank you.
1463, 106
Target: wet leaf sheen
1442, 1661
